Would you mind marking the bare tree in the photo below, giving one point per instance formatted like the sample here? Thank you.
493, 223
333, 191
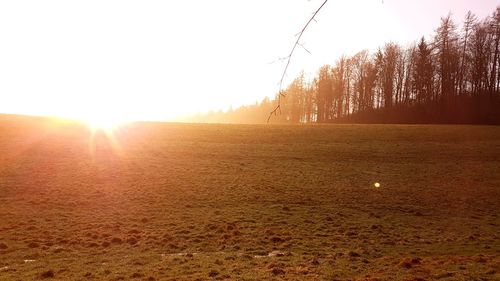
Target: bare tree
470, 20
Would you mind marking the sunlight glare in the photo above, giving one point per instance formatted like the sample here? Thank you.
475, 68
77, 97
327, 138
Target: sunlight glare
104, 129
104, 122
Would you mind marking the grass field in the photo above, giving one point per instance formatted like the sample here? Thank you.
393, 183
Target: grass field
249, 202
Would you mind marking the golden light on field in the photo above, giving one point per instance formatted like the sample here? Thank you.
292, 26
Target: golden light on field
104, 133
377, 185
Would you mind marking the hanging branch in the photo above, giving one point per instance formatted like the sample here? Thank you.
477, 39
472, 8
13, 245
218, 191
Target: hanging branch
289, 57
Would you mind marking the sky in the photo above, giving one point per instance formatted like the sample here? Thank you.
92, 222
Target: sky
158, 60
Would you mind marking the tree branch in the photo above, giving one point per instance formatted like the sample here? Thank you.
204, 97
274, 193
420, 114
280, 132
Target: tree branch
297, 43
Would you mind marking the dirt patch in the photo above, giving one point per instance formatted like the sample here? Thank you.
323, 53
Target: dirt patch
47, 274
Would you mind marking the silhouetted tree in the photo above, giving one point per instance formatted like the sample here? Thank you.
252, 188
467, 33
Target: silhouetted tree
445, 43
469, 22
423, 74
324, 93
389, 61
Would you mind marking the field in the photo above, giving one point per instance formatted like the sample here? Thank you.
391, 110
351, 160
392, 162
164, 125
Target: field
248, 202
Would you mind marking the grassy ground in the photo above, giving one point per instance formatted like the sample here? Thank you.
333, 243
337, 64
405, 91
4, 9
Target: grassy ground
242, 202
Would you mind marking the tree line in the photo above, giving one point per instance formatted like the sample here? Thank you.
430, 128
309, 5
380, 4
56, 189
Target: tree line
453, 77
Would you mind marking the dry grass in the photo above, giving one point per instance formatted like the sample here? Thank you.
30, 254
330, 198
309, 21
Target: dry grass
234, 202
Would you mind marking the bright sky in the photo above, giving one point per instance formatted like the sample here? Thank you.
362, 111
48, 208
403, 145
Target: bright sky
155, 60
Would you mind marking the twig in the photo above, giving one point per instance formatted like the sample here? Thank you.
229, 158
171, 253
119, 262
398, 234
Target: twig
280, 91
305, 49
279, 60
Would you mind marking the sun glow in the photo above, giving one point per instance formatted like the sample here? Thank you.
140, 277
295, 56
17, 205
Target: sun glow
104, 131
105, 122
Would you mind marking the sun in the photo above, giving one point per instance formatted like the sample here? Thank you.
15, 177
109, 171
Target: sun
105, 122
